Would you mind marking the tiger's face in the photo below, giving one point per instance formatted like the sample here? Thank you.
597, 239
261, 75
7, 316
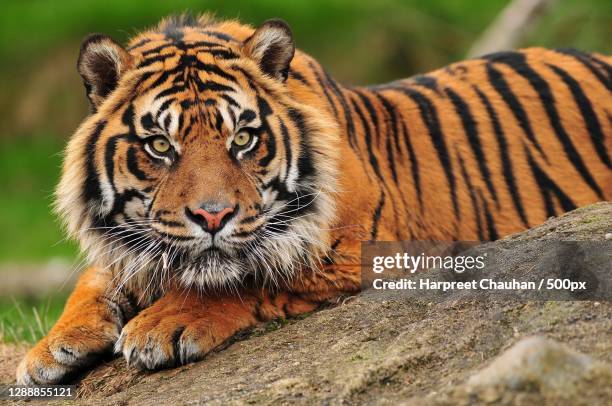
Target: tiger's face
197, 165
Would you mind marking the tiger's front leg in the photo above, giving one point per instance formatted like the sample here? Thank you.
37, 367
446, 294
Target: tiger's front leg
183, 326
88, 327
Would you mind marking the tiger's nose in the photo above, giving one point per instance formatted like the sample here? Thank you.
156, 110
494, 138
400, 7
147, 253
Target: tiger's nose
212, 216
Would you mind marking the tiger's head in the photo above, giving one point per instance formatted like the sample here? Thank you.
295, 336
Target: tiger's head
198, 165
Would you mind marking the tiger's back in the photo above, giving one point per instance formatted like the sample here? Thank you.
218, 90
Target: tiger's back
476, 150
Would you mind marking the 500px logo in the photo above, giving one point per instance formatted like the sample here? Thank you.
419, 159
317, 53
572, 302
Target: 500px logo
412, 263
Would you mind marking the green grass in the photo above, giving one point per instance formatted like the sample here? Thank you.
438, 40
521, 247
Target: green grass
28, 319
30, 168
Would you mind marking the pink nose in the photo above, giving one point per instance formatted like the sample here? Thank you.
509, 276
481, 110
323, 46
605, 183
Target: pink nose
213, 219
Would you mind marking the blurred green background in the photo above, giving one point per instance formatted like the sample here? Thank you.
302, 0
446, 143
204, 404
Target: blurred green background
42, 100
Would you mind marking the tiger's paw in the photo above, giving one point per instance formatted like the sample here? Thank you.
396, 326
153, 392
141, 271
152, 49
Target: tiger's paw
155, 340
64, 352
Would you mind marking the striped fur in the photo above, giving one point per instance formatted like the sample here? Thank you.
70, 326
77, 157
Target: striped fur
474, 151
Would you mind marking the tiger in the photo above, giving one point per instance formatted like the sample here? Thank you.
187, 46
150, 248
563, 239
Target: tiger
224, 179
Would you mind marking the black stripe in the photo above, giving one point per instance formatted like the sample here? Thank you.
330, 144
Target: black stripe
169, 91
368, 139
250, 219
220, 35
504, 156
335, 244
91, 187
588, 114
158, 50
427, 82
414, 163
287, 145
212, 86
139, 44
169, 223
109, 158
429, 115
470, 127
249, 78
345, 108
121, 199
230, 100
473, 199
167, 122
546, 186
493, 234
210, 68
163, 77
324, 88
603, 65
264, 112
587, 62
150, 61
391, 159
518, 63
146, 121
218, 123
374, 118
221, 53
377, 214
305, 165
206, 44
247, 116
501, 86
390, 109
371, 157
391, 135
181, 121
132, 165
232, 117
299, 77
258, 313
371, 110
163, 107
297, 204
127, 118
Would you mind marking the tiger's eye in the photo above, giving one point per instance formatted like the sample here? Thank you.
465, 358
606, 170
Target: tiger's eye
242, 138
160, 144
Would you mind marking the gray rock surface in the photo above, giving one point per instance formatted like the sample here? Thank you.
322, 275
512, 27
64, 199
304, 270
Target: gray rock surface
535, 363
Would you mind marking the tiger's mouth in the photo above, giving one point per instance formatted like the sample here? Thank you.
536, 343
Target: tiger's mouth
279, 242
221, 267
204, 261
220, 254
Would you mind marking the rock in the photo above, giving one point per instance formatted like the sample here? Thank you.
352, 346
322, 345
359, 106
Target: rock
534, 363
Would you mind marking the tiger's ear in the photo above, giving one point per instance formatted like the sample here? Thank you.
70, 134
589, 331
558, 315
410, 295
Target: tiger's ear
101, 63
271, 46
